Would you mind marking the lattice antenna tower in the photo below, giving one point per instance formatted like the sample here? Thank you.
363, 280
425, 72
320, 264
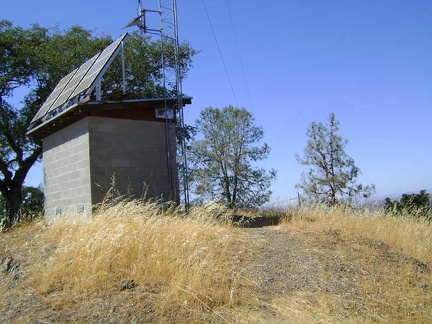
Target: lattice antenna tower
167, 31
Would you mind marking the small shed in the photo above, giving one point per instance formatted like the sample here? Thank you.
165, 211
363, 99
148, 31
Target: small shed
88, 144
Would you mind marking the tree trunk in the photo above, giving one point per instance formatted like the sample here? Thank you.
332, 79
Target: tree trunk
12, 184
13, 200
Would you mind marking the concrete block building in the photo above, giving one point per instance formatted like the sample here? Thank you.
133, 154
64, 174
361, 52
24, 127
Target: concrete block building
85, 149
88, 142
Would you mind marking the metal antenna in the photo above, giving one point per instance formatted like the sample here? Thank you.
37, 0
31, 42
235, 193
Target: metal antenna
172, 88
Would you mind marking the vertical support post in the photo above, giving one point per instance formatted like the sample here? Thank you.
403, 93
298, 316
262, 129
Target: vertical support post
98, 90
183, 169
123, 69
173, 99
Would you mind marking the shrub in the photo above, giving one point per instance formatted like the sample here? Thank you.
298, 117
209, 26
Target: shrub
414, 205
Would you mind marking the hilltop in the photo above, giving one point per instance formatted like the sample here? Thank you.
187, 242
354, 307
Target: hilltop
135, 265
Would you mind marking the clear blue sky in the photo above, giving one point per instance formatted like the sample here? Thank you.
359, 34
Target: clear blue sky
368, 61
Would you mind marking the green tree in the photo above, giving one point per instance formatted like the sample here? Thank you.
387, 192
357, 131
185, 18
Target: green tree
143, 69
223, 160
32, 205
33, 61
419, 205
33, 202
332, 175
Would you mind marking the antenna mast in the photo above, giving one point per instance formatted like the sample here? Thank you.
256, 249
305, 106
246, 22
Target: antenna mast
172, 85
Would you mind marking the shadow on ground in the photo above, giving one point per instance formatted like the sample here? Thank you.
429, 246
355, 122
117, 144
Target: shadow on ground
257, 221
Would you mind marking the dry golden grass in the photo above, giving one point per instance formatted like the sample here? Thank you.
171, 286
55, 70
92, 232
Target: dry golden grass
365, 268
389, 259
190, 261
413, 237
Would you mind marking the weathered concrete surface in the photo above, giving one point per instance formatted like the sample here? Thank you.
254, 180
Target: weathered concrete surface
81, 159
66, 163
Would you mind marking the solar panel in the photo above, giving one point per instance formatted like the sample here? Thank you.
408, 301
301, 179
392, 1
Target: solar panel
73, 83
80, 80
103, 61
53, 96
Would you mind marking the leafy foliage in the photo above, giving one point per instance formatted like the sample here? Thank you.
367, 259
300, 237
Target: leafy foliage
223, 160
33, 202
33, 61
332, 174
32, 205
143, 69
418, 205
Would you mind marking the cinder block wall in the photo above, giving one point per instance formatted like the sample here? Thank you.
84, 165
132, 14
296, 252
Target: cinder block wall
81, 159
135, 152
66, 163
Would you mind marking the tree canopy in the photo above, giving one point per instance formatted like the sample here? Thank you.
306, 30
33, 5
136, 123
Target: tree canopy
419, 205
224, 159
332, 174
143, 69
33, 60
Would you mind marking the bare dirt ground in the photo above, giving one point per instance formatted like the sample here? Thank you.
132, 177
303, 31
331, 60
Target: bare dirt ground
306, 276
295, 276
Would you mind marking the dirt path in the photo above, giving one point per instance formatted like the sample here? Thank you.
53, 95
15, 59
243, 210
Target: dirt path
328, 277
285, 262
295, 276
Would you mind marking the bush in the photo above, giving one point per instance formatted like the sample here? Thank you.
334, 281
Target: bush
32, 204
415, 205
